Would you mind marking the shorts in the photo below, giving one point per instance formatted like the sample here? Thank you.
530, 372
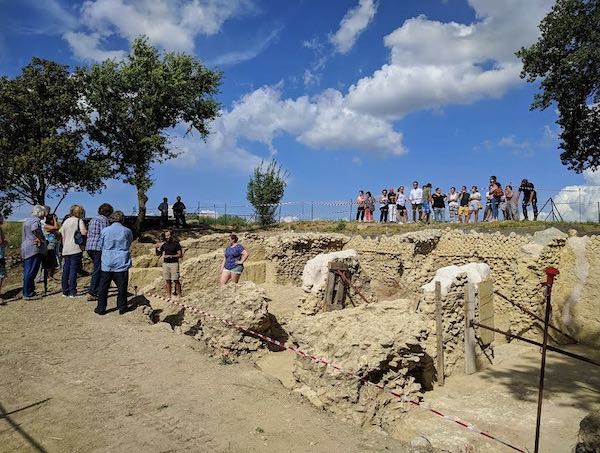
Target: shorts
474, 205
237, 269
401, 208
171, 271
426, 207
417, 207
463, 210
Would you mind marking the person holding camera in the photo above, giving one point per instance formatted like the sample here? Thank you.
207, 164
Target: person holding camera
171, 252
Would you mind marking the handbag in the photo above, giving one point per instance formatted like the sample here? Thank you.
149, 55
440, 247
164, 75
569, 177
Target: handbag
79, 238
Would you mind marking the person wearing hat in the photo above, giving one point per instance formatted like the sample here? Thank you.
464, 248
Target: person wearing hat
115, 241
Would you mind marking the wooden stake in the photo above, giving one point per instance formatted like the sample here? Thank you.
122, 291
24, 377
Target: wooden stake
439, 333
470, 357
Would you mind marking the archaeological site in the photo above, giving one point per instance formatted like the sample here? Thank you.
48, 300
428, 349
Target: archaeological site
386, 333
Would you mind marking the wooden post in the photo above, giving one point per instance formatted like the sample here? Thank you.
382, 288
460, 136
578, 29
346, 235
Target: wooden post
470, 357
335, 292
439, 333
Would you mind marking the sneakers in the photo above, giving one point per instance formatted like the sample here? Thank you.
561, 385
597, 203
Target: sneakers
99, 312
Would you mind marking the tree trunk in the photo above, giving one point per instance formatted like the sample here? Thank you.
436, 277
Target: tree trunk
141, 216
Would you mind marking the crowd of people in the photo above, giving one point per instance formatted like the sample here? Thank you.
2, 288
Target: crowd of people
48, 246
465, 206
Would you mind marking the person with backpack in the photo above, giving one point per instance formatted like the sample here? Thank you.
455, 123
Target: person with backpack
496, 193
74, 233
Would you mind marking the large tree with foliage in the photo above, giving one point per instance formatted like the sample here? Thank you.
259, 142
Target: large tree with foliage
566, 59
134, 103
43, 151
265, 190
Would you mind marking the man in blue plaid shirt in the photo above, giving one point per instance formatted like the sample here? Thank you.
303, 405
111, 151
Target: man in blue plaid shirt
94, 247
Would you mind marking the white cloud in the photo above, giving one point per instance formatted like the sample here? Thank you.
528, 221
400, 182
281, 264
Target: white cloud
87, 47
433, 63
169, 24
237, 57
352, 25
572, 201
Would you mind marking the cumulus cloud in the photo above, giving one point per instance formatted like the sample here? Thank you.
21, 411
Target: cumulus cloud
434, 63
352, 25
87, 47
580, 201
170, 24
321, 122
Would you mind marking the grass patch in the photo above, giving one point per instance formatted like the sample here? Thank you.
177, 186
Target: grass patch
233, 221
12, 231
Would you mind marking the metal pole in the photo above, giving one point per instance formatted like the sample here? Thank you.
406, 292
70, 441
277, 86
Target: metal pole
551, 272
279, 212
225, 209
350, 218
599, 212
312, 210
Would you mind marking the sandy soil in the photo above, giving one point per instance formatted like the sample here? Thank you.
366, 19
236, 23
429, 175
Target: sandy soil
73, 381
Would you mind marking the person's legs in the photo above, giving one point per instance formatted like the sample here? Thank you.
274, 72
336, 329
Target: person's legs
103, 286
392, 213
75, 265
535, 209
64, 280
524, 206
414, 212
225, 277
31, 267
121, 279
385, 215
494, 208
178, 288
96, 257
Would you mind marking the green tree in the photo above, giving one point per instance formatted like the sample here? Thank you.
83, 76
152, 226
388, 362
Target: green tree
265, 190
566, 59
134, 103
43, 152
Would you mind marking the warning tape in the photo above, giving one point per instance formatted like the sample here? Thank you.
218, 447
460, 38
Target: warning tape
362, 379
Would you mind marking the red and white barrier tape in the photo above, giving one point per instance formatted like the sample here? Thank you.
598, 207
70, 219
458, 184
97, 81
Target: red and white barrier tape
423, 406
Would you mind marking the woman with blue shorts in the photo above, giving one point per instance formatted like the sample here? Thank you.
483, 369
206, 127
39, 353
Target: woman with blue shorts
233, 262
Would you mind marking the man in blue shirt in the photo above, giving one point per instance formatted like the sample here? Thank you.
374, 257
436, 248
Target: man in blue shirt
93, 247
115, 241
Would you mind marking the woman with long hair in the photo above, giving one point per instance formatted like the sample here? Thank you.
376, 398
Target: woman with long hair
73, 232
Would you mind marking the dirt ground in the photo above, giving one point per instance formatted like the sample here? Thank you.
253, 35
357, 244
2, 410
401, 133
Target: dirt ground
73, 381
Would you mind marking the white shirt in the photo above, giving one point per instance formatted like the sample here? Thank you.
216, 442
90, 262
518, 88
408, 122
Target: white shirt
416, 196
401, 199
68, 229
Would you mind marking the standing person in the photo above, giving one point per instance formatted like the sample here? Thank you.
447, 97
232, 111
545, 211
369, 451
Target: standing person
115, 241
427, 202
463, 205
392, 196
439, 205
72, 249
171, 252
453, 205
51, 234
508, 195
487, 212
179, 213
529, 198
360, 203
383, 206
416, 200
3, 244
163, 208
514, 203
33, 249
369, 207
401, 205
497, 193
233, 262
94, 248
474, 204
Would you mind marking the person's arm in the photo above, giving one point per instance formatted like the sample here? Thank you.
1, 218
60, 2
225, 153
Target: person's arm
159, 249
223, 264
82, 229
244, 257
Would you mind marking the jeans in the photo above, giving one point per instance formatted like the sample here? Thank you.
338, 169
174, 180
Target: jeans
121, 279
417, 207
96, 257
360, 214
439, 214
495, 203
383, 216
535, 209
31, 266
71, 265
164, 219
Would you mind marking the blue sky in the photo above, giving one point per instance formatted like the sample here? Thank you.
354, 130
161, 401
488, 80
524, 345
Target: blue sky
346, 94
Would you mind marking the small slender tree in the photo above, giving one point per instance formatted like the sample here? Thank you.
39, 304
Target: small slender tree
134, 103
43, 151
265, 190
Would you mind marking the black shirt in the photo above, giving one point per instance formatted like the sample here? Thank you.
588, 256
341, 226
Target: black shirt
527, 190
170, 248
464, 198
178, 207
438, 200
